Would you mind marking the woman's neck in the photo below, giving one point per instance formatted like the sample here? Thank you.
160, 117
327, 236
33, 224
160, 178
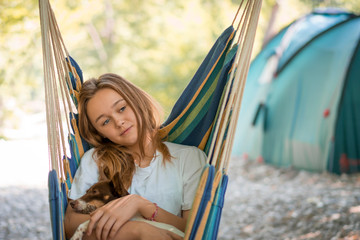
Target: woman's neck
150, 152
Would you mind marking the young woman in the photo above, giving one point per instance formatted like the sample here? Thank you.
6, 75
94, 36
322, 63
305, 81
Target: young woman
121, 122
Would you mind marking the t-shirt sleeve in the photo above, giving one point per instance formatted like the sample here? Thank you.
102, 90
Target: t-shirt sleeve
86, 175
194, 162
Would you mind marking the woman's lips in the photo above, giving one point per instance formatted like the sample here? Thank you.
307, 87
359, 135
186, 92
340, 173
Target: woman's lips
126, 131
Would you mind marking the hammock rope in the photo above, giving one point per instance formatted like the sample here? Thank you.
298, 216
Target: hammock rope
245, 40
226, 125
227, 62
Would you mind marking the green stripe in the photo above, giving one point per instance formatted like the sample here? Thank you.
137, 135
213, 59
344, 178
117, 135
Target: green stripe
230, 55
195, 116
75, 149
213, 76
204, 91
196, 112
216, 119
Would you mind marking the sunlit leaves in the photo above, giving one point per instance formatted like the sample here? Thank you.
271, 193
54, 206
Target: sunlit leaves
157, 44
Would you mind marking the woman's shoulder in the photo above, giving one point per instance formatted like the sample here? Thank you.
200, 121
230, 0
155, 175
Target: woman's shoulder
181, 151
175, 148
88, 155
87, 160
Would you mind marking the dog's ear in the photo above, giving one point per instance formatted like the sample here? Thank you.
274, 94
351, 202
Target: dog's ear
118, 186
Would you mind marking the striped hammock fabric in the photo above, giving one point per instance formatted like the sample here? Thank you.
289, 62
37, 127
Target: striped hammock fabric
205, 116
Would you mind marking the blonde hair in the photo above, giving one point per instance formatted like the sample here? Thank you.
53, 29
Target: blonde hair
111, 157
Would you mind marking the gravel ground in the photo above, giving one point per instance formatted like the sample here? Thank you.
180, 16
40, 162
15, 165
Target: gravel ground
262, 202
24, 213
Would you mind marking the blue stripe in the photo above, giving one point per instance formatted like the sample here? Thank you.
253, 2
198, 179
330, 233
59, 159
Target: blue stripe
205, 198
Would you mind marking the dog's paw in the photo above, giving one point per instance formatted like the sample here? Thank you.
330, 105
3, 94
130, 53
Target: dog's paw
78, 235
80, 231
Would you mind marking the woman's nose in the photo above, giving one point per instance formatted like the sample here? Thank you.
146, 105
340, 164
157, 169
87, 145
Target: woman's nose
120, 123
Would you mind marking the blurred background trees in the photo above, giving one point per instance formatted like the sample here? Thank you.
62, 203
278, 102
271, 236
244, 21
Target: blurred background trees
156, 44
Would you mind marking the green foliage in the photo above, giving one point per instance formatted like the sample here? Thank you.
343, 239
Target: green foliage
156, 44
20, 59
349, 5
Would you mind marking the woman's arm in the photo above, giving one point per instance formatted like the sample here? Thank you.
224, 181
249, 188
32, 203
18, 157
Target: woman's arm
166, 217
73, 220
109, 219
131, 230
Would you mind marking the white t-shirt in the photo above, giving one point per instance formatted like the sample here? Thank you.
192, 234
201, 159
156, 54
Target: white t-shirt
172, 186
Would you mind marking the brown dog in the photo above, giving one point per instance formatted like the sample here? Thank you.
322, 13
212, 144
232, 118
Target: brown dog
101, 193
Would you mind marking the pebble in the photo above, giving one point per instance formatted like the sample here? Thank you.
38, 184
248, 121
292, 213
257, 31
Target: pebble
262, 202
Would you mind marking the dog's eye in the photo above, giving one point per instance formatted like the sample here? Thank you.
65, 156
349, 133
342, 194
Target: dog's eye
94, 191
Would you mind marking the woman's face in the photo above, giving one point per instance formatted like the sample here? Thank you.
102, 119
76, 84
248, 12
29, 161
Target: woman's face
113, 118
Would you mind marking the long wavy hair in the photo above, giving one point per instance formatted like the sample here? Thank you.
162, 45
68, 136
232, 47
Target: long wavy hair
111, 157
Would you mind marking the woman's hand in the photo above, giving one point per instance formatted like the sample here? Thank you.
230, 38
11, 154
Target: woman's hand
108, 219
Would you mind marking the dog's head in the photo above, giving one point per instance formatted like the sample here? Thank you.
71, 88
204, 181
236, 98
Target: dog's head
99, 194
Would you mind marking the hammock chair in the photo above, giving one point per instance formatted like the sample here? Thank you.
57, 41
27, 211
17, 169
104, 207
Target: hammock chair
204, 116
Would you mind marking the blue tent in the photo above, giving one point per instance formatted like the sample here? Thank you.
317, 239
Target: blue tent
301, 103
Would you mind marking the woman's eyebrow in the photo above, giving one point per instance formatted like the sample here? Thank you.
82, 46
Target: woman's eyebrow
114, 104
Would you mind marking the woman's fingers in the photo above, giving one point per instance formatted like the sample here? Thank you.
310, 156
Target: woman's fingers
108, 219
100, 225
108, 224
116, 213
115, 228
105, 230
93, 220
